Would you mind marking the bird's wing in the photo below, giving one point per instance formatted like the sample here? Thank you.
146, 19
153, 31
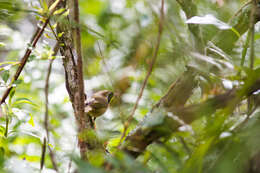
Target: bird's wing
96, 106
88, 108
98, 102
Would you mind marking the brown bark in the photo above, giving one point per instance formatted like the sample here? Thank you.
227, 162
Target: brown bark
74, 82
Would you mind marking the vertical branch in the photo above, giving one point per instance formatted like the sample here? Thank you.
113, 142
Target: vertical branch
46, 115
74, 79
46, 92
149, 72
80, 93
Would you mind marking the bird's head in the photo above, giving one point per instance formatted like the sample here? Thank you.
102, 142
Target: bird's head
108, 94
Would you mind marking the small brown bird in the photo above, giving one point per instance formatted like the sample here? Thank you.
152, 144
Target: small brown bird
98, 103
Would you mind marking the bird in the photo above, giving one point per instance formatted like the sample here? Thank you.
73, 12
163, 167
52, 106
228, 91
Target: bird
98, 103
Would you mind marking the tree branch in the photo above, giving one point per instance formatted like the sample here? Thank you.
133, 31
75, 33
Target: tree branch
74, 85
46, 116
160, 124
130, 118
79, 95
43, 153
28, 52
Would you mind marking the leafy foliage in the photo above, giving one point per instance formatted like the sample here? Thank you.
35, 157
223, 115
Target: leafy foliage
199, 110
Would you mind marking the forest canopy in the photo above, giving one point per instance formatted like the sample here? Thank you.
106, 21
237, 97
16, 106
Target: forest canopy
129, 86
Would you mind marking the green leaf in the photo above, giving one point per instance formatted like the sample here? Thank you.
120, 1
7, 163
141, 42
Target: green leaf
9, 62
236, 32
17, 82
92, 6
30, 158
44, 5
24, 100
30, 46
2, 44
83, 166
66, 13
31, 58
257, 36
59, 11
54, 25
96, 158
5, 75
12, 92
31, 121
24, 139
208, 19
54, 5
195, 162
60, 34
51, 145
2, 130
95, 67
47, 36
2, 157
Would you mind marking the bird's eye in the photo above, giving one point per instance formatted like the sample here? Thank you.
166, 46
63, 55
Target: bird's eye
109, 97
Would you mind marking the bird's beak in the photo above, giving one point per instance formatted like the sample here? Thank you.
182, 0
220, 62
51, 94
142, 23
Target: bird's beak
110, 96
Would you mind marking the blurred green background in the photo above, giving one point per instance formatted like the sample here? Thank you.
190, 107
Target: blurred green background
118, 42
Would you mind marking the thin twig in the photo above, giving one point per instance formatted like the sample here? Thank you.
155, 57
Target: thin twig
244, 122
234, 17
46, 92
239, 10
112, 82
149, 72
54, 33
105, 65
70, 164
46, 116
185, 146
252, 30
27, 54
53, 161
163, 97
43, 153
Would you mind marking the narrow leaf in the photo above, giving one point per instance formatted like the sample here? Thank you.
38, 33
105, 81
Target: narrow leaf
209, 19
53, 6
